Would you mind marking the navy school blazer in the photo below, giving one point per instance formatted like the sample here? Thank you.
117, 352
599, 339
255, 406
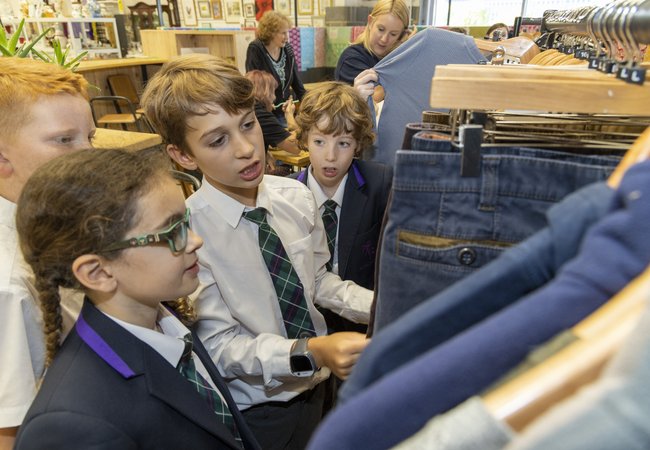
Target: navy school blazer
365, 199
364, 203
107, 389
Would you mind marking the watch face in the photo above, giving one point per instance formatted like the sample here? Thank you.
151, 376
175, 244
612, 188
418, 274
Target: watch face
301, 363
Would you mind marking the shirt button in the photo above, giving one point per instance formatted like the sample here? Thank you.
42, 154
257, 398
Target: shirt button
466, 256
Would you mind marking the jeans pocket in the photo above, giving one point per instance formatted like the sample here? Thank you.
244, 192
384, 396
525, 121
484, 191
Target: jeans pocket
442, 253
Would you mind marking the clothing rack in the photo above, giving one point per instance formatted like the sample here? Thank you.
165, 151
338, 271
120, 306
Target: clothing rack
536, 88
624, 18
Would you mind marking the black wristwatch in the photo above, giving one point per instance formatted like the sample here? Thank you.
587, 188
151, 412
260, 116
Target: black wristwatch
301, 360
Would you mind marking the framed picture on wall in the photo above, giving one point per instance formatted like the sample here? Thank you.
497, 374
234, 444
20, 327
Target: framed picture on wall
233, 11
204, 9
249, 23
305, 7
283, 7
249, 9
189, 13
217, 12
322, 4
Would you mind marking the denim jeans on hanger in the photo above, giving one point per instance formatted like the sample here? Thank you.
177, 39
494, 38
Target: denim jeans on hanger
613, 251
442, 227
515, 273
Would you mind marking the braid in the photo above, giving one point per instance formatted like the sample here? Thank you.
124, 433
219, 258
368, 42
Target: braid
50, 300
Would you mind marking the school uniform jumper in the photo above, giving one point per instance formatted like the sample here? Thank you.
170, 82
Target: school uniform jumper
354, 60
365, 197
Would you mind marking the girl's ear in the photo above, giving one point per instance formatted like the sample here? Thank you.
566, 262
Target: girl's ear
94, 272
181, 157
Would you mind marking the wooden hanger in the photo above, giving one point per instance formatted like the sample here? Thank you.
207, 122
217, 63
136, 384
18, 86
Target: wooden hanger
518, 49
521, 400
534, 88
541, 56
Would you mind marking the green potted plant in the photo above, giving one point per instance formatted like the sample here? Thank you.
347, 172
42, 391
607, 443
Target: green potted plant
9, 44
9, 47
60, 56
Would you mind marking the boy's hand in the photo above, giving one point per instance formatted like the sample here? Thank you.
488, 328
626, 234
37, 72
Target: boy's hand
339, 351
365, 82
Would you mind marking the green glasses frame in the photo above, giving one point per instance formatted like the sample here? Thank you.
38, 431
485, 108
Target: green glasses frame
170, 235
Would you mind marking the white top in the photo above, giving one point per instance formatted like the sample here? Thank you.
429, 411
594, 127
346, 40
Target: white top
321, 198
22, 343
240, 322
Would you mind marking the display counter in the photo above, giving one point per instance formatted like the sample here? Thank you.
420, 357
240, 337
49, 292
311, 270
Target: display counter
128, 140
109, 64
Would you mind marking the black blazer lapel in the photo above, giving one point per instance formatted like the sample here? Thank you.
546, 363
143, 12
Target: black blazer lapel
168, 385
246, 434
131, 357
355, 197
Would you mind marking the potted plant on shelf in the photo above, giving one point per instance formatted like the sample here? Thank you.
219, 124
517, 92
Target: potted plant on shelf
9, 44
9, 47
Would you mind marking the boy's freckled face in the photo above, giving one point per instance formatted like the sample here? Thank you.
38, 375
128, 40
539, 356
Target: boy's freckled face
330, 155
57, 124
229, 150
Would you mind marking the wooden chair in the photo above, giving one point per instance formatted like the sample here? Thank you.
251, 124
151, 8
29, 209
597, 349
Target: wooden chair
119, 117
188, 182
121, 85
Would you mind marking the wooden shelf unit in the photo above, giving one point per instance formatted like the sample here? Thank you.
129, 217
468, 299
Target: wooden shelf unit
230, 45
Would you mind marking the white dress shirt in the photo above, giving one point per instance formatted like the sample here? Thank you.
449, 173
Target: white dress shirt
240, 322
22, 342
321, 198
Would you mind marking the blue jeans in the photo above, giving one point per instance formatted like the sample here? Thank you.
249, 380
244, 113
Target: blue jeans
441, 227
515, 273
613, 251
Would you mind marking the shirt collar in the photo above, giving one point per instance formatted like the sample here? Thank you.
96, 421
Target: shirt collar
319, 195
170, 344
231, 209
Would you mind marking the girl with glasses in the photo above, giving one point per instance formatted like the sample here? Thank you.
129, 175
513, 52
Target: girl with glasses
114, 225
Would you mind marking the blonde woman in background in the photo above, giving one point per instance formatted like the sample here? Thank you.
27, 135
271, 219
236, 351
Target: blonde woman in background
388, 27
